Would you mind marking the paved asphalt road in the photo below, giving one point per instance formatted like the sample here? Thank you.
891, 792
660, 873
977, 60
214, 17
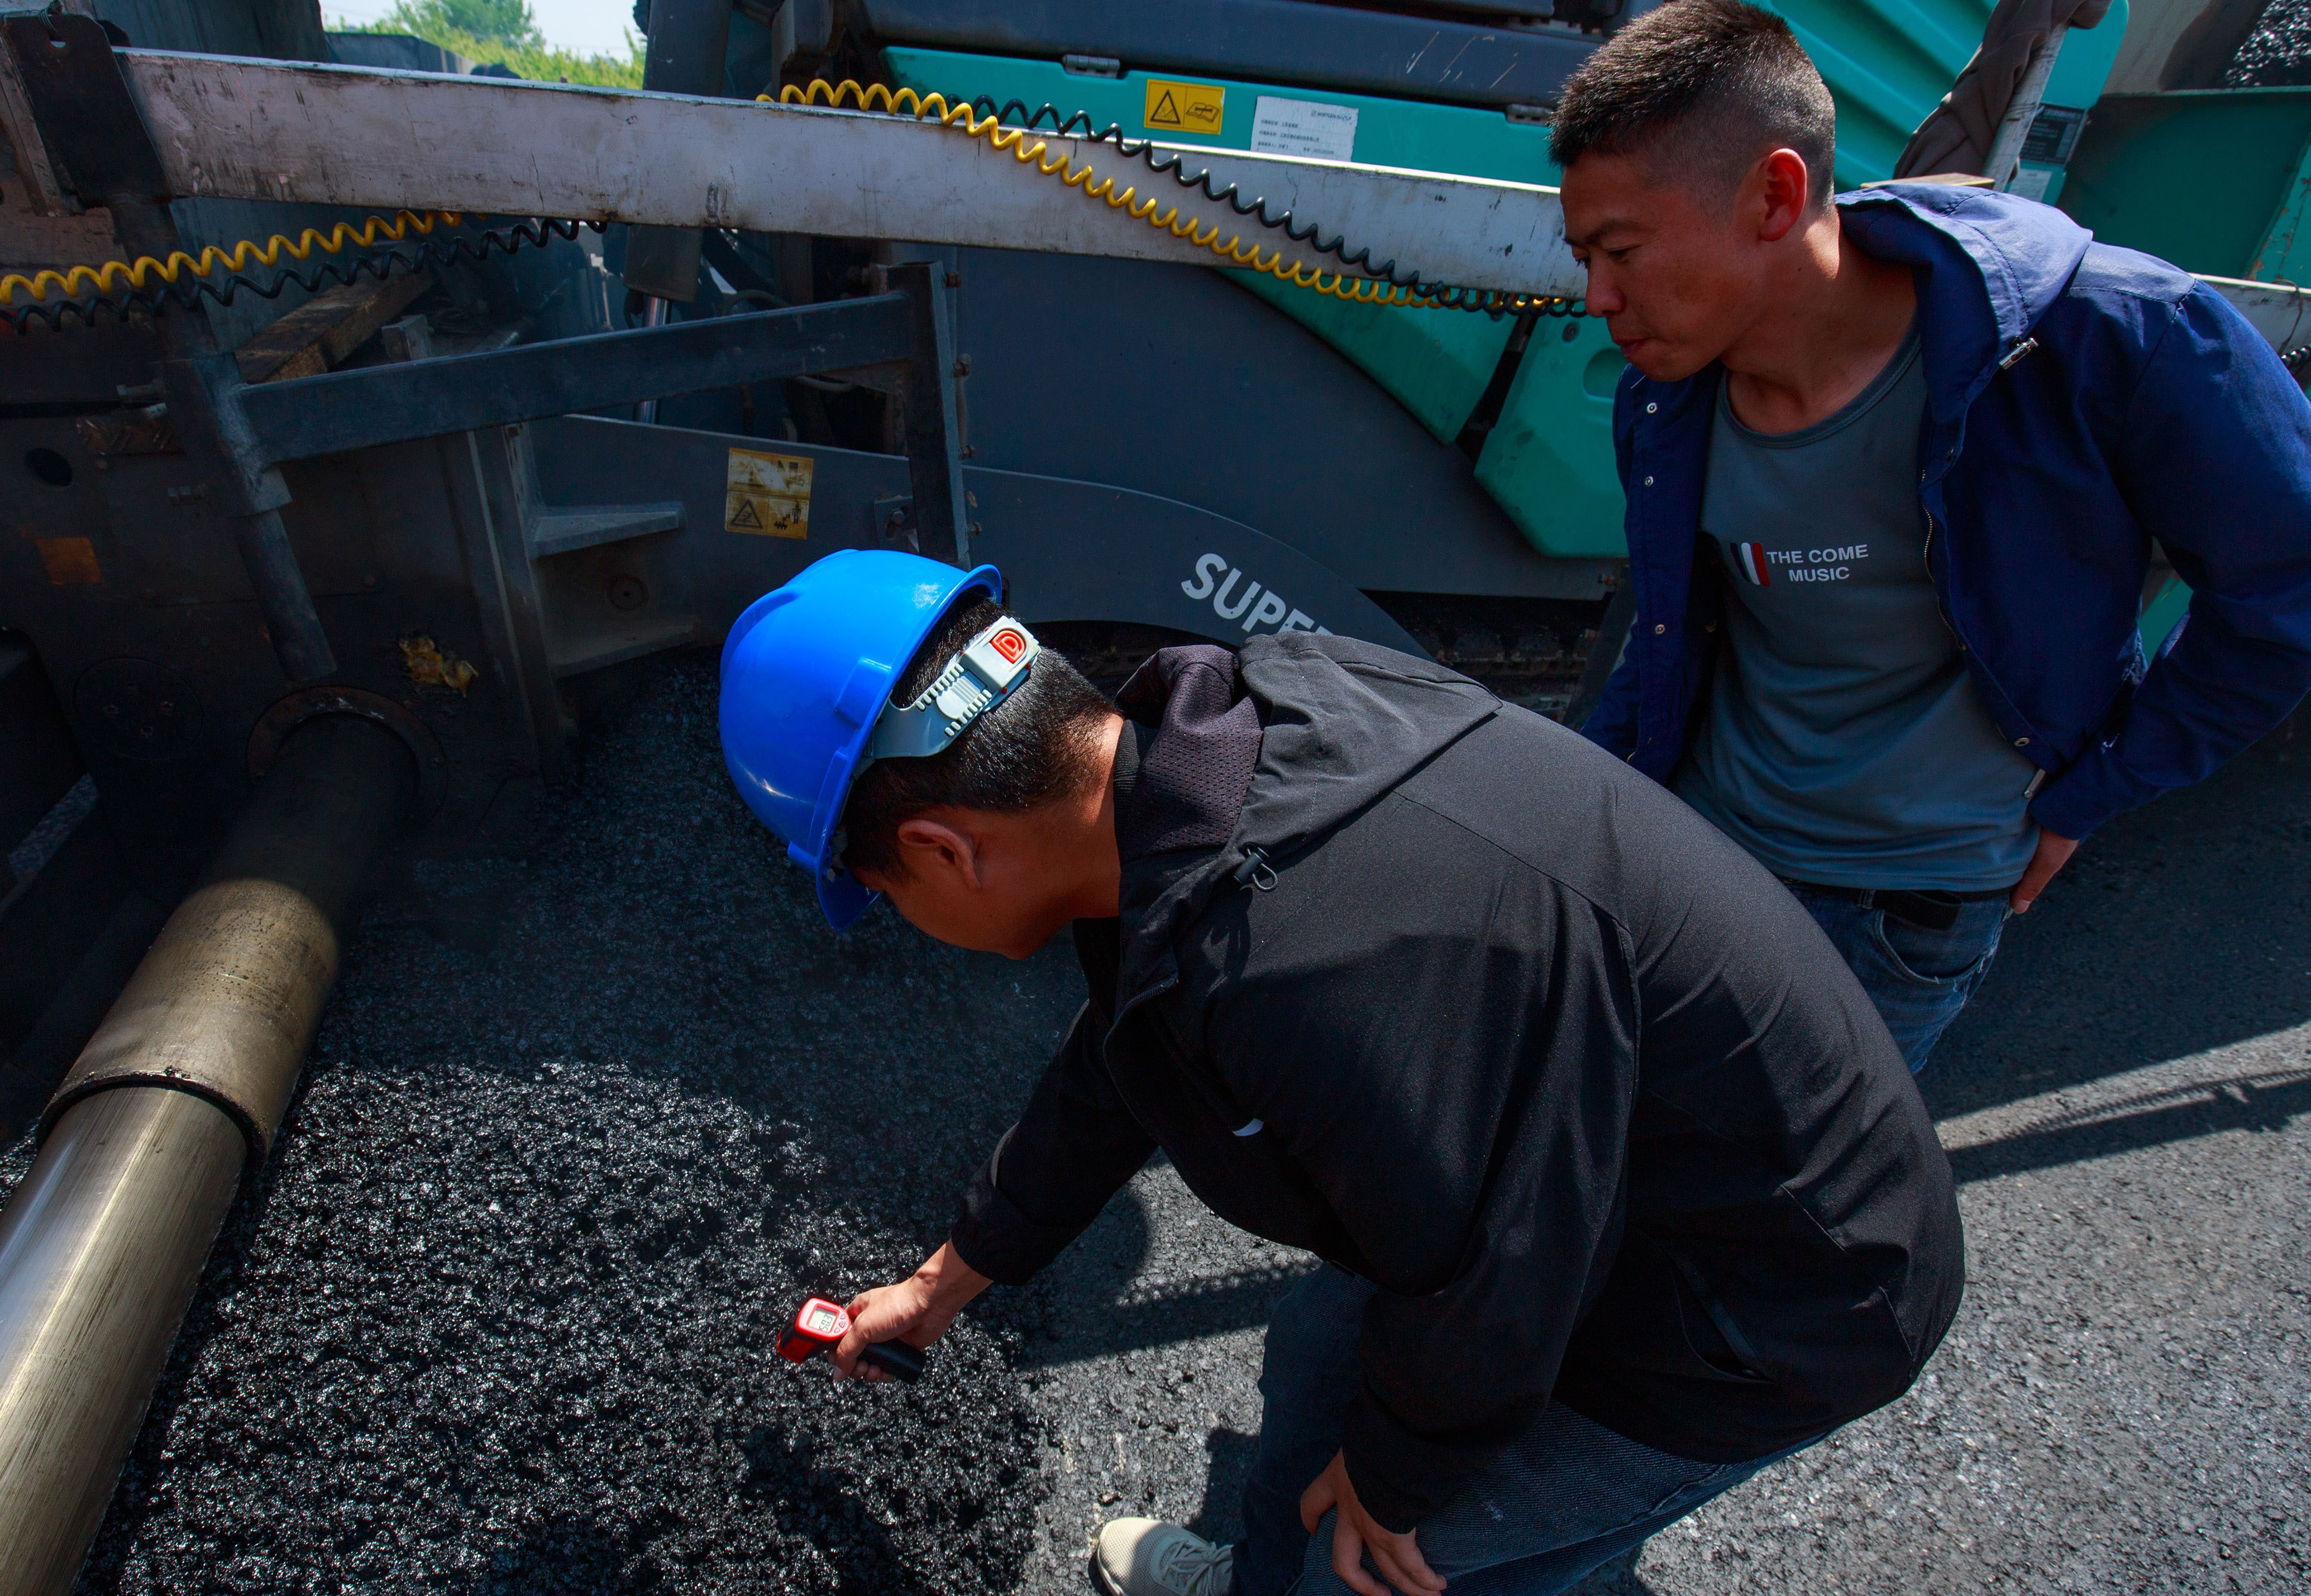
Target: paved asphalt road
497, 1317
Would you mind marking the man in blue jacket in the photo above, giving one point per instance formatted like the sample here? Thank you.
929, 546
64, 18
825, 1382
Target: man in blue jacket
1894, 466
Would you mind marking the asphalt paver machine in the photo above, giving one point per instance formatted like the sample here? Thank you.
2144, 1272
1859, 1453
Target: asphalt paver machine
356, 422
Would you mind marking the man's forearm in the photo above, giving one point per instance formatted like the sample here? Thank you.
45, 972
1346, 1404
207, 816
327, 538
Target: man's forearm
949, 1282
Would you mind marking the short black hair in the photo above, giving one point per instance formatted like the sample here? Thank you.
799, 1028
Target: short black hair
1700, 89
1032, 749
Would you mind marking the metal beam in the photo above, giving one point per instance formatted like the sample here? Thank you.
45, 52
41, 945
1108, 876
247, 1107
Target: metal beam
246, 129
232, 128
307, 416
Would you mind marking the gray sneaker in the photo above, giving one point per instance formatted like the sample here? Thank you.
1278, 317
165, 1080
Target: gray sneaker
1149, 1557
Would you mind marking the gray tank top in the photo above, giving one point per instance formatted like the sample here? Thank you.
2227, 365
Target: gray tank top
1843, 743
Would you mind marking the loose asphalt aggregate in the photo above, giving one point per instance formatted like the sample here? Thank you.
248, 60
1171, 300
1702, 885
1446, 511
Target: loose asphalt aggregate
498, 1315
2278, 53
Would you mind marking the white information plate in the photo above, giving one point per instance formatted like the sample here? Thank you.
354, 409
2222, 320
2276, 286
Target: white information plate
1304, 127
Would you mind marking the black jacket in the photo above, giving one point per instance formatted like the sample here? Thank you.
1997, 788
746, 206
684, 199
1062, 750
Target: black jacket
1438, 990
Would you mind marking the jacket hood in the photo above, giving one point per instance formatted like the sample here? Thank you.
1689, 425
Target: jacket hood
1344, 721
1990, 265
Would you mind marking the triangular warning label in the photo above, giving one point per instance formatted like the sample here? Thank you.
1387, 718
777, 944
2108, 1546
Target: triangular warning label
1166, 114
745, 515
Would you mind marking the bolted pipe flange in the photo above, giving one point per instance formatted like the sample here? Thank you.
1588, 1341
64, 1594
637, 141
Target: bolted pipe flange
226, 1001
272, 728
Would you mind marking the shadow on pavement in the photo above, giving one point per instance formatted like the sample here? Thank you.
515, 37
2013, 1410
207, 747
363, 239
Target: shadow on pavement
2180, 928
2202, 1108
1221, 1519
1618, 1577
1160, 1316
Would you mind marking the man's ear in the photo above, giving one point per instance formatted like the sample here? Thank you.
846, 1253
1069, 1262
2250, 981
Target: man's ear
933, 847
1781, 192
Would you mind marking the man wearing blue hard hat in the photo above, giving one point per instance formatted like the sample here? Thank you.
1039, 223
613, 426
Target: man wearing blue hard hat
1621, 1187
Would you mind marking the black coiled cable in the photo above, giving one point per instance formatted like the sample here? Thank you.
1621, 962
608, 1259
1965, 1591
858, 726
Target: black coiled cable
1014, 113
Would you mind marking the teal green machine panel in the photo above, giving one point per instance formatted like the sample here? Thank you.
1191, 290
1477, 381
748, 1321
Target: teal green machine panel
2211, 180
1433, 363
1550, 461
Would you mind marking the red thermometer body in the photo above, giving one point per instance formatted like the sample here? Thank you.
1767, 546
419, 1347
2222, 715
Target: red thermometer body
818, 1324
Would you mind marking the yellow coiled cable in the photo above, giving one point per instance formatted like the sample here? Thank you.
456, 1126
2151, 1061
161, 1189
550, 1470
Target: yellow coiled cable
875, 97
107, 278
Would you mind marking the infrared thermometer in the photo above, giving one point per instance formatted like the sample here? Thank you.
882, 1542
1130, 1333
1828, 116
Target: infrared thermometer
818, 1324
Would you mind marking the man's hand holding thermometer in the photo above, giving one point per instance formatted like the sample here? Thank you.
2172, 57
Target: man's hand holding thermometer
819, 1325
880, 1334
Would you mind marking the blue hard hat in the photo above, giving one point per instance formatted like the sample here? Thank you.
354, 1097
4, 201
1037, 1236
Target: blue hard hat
806, 671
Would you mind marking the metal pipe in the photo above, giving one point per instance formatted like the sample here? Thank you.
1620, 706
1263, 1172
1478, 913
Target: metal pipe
203, 383
276, 131
204, 406
283, 599
99, 1253
179, 1091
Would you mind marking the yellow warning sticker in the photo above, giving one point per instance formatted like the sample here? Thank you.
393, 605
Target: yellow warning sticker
767, 494
1183, 108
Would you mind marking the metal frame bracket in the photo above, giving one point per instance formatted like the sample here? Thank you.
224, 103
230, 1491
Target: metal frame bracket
933, 439
47, 191
92, 135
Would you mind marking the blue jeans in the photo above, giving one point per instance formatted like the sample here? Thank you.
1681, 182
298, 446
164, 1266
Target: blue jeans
1918, 978
1564, 1497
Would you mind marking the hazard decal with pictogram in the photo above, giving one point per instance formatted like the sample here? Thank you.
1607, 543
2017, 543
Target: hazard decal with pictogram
1183, 108
767, 495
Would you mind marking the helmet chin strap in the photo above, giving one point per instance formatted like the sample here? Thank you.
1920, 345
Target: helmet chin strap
986, 673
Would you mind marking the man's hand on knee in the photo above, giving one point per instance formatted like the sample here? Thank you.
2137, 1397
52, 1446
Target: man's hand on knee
1397, 1557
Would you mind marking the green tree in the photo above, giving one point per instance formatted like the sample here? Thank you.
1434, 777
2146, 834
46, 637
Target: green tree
501, 22
512, 40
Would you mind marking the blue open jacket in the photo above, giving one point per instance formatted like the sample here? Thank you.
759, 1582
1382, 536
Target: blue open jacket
2082, 400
